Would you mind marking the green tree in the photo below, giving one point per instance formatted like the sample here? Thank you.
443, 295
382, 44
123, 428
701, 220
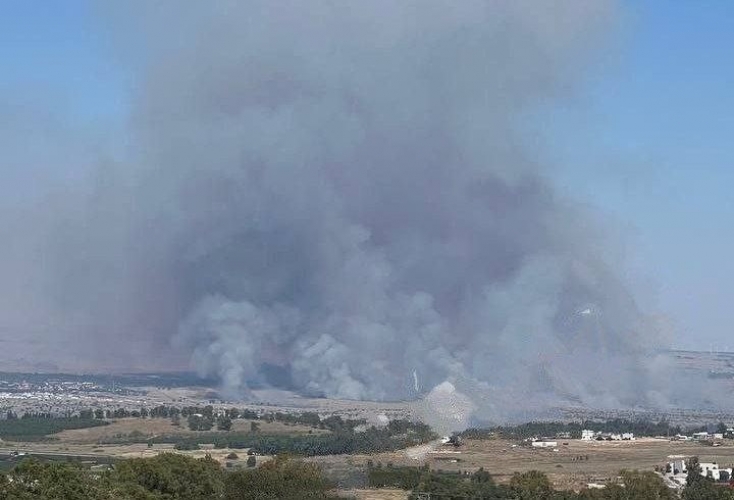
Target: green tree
647, 485
531, 485
279, 479
694, 471
32, 479
699, 487
224, 423
200, 423
173, 476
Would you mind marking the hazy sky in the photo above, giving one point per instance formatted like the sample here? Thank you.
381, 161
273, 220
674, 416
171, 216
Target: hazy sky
646, 140
650, 143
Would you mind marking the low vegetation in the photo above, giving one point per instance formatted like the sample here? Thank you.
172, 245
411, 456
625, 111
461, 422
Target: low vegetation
573, 429
534, 485
178, 477
38, 427
343, 440
165, 477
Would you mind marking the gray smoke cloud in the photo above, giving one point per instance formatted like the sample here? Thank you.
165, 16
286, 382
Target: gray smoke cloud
344, 198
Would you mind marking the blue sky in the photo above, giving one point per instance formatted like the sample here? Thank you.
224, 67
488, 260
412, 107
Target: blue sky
66, 97
650, 143
647, 140
58, 45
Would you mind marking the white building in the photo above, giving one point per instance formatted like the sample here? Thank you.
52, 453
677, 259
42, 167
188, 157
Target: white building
628, 436
711, 469
544, 444
678, 466
708, 469
587, 435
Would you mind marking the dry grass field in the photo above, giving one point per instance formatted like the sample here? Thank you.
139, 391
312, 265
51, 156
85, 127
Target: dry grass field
148, 427
573, 466
91, 452
151, 427
242, 425
85, 442
381, 494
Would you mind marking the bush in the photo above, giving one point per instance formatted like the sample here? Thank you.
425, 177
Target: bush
171, 475
186, 446
279, 479
224, 423
200, 423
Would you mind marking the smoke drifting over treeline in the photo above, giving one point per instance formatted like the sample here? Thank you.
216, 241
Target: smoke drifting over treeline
341, 198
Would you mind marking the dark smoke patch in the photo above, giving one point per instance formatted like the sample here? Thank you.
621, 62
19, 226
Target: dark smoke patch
340, 198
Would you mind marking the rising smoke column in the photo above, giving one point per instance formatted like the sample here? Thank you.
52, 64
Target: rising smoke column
344, 194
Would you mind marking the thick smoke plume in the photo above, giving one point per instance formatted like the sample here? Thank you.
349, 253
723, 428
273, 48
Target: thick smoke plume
343, 198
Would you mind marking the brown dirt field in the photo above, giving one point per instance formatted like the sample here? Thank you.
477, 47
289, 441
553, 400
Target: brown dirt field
148, 426
563, 467
568, 467
84, 441
242, 425
377, 494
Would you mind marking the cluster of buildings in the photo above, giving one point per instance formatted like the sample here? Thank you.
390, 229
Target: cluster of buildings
589, 435
586, 435
677, 471
700, 436
51, 385
57, 396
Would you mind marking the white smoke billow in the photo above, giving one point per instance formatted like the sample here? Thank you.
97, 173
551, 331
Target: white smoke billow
446, 409
339, 198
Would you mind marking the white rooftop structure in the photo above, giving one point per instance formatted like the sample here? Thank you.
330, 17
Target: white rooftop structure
587, 435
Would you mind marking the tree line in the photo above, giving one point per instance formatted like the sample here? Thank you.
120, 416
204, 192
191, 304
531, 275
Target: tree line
344, 438
165, 477
534, 485
640, 427
34, 427
178, 477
